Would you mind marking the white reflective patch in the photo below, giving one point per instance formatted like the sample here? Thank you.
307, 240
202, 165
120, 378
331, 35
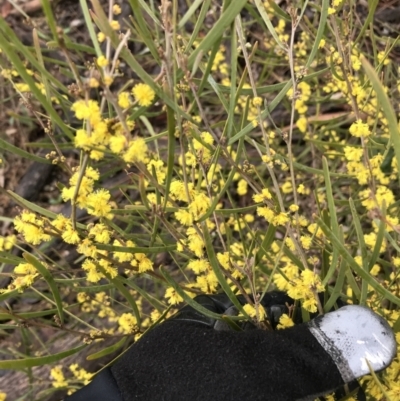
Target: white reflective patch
352, 335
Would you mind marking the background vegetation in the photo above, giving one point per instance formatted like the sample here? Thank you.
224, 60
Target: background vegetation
194, 147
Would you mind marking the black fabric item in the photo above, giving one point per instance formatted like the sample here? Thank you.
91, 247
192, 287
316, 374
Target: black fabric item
102, 388
182, 360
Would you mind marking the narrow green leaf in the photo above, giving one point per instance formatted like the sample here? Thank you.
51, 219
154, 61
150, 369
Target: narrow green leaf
20, 152
292, 257
266, 243
199, 21
171, 125
18, 64
261, 9
279, 12
354, 265
186, 298
339, 281
333, 220
101, 20
5, 326
218, 29
51, 21
218, 196
269, 88
233, 98
392, 242
204, 311
129, 209
70, 46
207, 72
125, 292
353, 283
191, 10
305, 315
10, 256
37, 209
153, 301
9, 34
215, 87
396, 325
94, 288
278, 98
218, 272
303, 10
143, 29
8, 294
245, 209
363, 248
379, 384
9, 261
149, 11
90, 27
38, 50
372, 4
386, 105
379, 239
28, 315
108, 350
140, 208
18, 364
320, 32
50, 281
136, 249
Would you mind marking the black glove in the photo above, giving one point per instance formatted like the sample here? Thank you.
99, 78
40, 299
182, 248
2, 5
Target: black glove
192, 357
